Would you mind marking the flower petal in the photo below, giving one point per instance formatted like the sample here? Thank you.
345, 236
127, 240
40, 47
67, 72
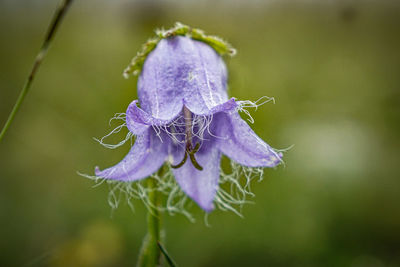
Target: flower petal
138, 121
180, 71
207, 79
145, 157
227, 107
239, 142
161, 82
201, 186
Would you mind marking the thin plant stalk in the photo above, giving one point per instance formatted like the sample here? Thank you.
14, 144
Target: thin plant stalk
170, 261
57, 18
150, 253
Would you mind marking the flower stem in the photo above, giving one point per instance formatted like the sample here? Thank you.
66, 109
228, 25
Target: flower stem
150, 253
59, 14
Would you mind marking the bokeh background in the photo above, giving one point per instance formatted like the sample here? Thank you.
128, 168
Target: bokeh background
333, 68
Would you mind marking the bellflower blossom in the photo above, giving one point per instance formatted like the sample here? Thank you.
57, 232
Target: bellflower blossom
186, 119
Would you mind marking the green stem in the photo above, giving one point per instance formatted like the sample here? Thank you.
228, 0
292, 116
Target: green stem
150, 253
59, 14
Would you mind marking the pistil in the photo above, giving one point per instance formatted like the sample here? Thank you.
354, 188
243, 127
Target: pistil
189, 149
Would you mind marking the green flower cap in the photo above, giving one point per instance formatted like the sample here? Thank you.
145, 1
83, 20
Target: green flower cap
220, 46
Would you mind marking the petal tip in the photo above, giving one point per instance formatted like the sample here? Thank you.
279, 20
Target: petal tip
134, 119
208, 208
274, 160
97, 171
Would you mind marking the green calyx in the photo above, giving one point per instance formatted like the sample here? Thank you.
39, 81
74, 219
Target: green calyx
220, 46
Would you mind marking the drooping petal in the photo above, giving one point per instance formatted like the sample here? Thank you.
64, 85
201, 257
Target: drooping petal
145, 157
138, 121
201, 186
180, 71
239, 142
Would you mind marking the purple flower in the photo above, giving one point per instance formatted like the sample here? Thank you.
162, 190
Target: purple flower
186, 119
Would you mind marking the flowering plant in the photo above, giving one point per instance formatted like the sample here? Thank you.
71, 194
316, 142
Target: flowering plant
185, 118
186, 122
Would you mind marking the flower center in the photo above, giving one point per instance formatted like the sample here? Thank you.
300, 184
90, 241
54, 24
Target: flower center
189, 149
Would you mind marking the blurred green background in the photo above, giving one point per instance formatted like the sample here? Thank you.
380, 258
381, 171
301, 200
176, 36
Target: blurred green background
333, 68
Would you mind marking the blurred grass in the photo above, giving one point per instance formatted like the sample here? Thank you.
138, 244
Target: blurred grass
333, 69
